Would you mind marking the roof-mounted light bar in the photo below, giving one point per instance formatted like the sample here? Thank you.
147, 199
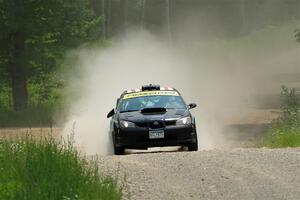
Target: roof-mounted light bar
150, 87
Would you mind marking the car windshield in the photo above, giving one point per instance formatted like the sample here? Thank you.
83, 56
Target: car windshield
139, 103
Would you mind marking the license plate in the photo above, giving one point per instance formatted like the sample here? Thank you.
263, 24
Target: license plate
156, 134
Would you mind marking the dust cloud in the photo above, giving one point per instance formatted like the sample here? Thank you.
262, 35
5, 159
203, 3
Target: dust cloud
224, 83
136, 60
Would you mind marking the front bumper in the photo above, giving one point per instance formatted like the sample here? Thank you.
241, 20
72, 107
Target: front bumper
138, 138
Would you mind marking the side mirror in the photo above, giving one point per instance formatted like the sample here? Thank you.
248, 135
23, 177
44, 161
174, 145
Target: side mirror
192, 105
111, 113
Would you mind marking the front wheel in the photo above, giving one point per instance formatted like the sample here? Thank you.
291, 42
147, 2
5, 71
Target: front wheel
119, 150
193, 146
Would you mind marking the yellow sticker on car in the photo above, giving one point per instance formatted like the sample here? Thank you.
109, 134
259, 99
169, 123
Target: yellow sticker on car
150, 93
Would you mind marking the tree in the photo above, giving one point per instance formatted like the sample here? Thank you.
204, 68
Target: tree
124, 8
34, 35
108, 18
103, 14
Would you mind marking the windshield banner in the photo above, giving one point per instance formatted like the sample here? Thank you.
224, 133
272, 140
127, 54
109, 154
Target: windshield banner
150, 93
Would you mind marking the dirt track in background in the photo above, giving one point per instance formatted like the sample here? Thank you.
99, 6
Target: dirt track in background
35, 132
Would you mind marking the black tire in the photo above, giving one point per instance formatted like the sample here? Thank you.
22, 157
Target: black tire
119, 150
193, 146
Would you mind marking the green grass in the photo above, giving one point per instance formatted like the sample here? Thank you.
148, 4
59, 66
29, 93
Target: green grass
282, 135
47, 169
285, 131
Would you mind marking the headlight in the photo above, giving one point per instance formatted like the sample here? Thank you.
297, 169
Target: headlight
184, 121
127, 124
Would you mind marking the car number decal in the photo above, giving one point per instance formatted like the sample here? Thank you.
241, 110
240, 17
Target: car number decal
150, 93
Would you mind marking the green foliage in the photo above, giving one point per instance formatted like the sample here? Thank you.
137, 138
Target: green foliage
46, 169
290, 103
5, 97
47, 29
34, 116
45, 104
282, 136
285, 131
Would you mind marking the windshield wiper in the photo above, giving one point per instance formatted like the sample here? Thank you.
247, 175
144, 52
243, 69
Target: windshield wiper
128, 111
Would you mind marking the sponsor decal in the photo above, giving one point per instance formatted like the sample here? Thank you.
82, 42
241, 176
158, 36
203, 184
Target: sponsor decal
150, 93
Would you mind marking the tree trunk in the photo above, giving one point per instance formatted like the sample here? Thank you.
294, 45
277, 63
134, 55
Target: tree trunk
242, 16
99, 8
123, 8
104, 23
144, 2
17, 70
168, 21
108, 18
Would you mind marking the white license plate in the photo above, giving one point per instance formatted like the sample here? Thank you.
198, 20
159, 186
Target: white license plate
156, 134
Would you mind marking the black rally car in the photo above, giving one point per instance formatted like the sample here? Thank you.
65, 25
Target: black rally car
152, 117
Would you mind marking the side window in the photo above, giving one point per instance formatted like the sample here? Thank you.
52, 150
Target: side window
123, 105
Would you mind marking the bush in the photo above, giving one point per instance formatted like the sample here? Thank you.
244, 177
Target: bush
37, 116
46, 169
285, 131
45, 104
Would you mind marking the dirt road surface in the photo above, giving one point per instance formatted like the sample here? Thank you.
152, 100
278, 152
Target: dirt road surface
213, 174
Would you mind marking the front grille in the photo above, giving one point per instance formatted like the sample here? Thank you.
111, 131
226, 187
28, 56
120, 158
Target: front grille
156, 124
161, 124
142, 124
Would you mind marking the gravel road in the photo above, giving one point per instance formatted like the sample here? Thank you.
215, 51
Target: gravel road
212, 174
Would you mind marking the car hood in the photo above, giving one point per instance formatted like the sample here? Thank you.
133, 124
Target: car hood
137, 116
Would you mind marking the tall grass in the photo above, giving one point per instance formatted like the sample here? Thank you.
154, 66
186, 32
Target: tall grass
47, 169
285, 131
